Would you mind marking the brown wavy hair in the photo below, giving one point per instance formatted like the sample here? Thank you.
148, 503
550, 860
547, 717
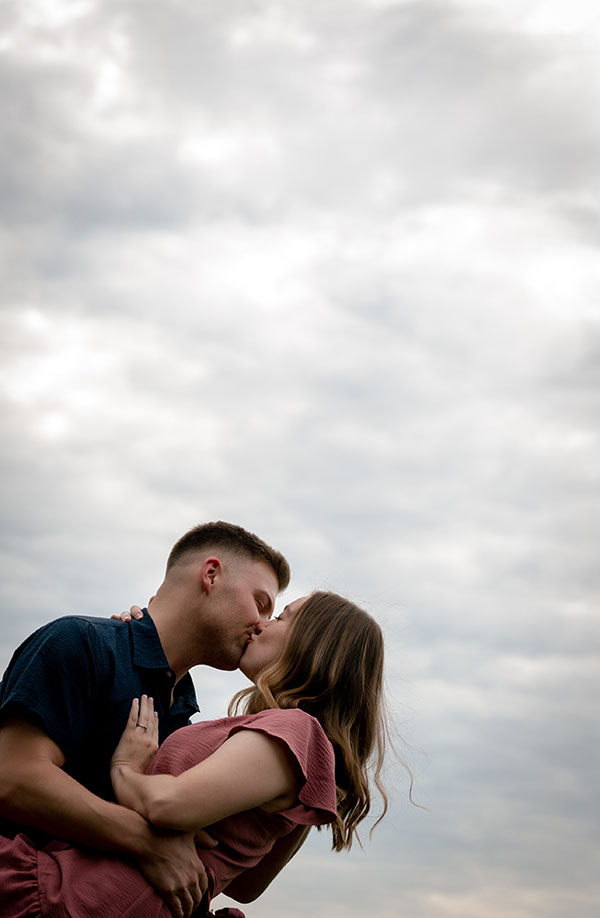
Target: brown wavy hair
332, 667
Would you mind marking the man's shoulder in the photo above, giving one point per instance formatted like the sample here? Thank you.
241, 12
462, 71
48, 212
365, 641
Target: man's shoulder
69, 634
71, 648
83, 626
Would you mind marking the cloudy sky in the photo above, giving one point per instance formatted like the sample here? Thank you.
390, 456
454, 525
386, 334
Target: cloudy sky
330, 269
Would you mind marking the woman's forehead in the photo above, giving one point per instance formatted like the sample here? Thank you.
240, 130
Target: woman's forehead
293, 606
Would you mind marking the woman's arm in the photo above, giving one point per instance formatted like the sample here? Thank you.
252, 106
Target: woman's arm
252, 883
250, 769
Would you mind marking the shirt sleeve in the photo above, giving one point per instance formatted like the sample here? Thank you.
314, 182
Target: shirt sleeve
53, 679
307, 742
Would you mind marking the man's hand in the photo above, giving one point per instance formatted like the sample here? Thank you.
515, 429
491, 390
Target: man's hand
172, 867
36, 791
205, 840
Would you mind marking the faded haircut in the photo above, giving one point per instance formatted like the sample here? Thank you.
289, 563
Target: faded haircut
236, 540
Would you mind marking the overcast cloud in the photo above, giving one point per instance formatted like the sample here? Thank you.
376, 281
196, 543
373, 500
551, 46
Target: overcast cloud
330, 270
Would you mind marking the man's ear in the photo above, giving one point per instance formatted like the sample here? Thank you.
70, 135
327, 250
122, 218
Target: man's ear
211, 570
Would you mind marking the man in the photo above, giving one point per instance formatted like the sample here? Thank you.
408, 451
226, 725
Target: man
67, 691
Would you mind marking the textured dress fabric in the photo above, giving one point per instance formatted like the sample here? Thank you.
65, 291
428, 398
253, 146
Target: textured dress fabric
61, 881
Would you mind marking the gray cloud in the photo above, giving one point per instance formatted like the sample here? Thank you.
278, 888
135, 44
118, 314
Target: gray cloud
330, 271
186, 113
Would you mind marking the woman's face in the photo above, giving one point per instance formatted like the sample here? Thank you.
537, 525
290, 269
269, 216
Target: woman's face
266, 647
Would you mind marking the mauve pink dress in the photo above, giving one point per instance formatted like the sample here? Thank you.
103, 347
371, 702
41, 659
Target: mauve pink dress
61, 881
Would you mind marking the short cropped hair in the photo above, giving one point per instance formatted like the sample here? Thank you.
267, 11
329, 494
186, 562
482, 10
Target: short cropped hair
236, 540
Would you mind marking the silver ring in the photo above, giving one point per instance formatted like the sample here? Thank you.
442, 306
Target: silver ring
145, 726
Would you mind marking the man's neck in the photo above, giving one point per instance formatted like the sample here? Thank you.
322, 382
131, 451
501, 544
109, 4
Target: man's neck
173, 630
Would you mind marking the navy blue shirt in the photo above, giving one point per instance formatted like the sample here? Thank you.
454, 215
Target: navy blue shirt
76, 677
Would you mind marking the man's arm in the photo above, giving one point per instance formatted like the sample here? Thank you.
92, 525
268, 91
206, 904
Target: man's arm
253, 882
36, 792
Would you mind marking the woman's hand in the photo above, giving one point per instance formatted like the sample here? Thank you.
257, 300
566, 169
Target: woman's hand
134, 612
138, 744
137, 747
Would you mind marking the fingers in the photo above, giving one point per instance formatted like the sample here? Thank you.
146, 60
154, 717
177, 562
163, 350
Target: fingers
148, 718
133, 713
145, 714
155, 729
204, 839
202, 882
196, 894
134, 612
175, 906
183, 903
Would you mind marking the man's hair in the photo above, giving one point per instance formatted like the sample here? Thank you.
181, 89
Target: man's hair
234, 539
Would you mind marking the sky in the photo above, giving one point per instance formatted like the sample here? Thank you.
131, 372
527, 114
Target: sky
330, 270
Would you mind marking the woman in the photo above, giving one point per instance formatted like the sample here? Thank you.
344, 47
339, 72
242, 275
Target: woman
297, 756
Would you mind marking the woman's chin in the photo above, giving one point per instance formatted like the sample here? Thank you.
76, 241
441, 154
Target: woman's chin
246, 669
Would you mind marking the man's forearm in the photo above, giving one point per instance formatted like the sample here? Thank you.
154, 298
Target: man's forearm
56, 804
37, 793
44, 797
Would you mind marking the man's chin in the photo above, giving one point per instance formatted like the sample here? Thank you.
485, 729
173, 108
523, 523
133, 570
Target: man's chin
227, 666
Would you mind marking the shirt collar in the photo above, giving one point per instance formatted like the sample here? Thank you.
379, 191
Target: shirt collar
184, 696
148, 652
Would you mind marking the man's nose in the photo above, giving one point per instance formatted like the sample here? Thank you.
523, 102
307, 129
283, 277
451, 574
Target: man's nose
261, 625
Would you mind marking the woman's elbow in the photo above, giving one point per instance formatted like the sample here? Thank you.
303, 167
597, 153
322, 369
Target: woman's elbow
242, 892
158, 811
163, 811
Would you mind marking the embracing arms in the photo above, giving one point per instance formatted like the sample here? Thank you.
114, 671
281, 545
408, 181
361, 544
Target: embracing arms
249, 770
48, 696
35, 791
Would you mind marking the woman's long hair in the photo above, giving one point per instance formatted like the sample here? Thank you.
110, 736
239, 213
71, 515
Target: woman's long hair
332, 667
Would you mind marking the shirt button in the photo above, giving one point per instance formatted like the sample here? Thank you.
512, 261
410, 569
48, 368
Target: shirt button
169, 674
